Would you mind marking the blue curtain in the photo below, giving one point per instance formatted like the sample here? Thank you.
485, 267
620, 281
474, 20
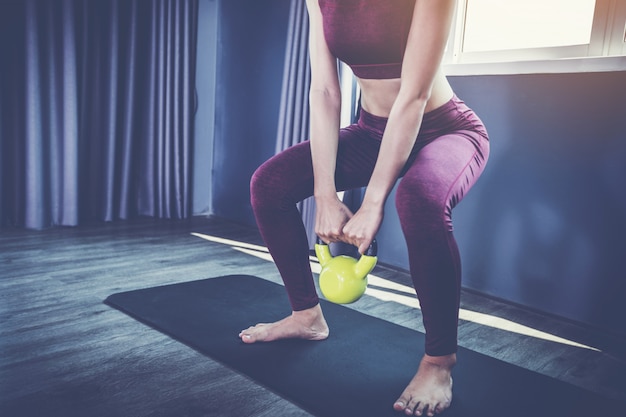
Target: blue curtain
97, 100
293, 122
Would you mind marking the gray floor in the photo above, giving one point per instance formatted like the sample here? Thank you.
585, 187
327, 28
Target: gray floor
64, 353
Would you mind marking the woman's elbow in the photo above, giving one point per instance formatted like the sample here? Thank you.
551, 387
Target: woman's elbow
324, 95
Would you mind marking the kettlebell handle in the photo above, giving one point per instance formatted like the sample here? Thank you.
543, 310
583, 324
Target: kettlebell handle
372, 250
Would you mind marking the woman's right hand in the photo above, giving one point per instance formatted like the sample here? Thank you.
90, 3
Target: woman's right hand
331, 215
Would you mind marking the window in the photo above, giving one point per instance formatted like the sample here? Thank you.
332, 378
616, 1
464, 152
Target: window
491, 31
527, 24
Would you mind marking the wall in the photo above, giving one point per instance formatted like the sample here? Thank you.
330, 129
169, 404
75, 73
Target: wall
548, 224
544, 226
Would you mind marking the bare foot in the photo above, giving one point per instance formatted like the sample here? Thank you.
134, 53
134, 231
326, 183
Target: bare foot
430, 390
306, 324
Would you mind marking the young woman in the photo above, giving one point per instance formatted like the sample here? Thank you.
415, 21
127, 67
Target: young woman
411, 128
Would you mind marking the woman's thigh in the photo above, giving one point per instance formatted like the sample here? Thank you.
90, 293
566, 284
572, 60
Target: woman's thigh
441, 173
289, 174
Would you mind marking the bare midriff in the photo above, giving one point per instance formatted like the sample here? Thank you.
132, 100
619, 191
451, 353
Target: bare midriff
378, 96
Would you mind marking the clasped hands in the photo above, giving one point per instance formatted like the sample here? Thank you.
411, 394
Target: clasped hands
334, 222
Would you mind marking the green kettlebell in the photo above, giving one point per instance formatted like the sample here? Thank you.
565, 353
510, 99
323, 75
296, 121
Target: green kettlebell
343, 279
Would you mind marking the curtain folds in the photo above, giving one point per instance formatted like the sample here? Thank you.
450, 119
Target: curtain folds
293, 123
97, 100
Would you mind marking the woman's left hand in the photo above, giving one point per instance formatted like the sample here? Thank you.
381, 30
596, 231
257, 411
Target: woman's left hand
361, 229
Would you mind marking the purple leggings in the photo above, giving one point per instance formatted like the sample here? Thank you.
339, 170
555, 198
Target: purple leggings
449, 155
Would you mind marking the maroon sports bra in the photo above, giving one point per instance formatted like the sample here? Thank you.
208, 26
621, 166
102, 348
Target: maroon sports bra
368, 35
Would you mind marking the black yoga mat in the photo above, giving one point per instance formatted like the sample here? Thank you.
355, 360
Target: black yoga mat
358, 371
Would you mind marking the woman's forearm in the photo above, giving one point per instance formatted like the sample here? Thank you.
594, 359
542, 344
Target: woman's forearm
398, 140
325, 108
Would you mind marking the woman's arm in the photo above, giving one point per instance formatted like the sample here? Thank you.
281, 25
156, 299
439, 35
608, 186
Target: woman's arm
422, 59
325, 105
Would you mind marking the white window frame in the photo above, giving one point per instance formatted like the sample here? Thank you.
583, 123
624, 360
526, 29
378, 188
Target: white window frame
606, 50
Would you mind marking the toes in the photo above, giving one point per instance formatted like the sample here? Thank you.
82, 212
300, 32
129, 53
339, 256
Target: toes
439, 408
405, 405
423, 408
399, 405
419, 408
247, 331
409, 406
436, 409
245, 336
250, 334
413, 408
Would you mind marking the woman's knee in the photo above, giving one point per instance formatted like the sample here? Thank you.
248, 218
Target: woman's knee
283, 180
262, 186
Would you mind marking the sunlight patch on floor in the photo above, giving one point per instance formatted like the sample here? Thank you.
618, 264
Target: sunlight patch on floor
476, 317
386, 290
234, 243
